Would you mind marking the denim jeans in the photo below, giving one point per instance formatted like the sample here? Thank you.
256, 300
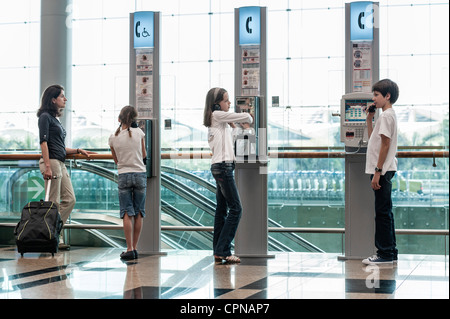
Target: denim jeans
385, 241
132, 192
228, 209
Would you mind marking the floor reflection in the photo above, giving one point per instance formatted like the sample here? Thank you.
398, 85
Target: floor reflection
98, 273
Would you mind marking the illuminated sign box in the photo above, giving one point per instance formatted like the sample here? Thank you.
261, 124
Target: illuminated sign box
144, 29
361, 21
249, 25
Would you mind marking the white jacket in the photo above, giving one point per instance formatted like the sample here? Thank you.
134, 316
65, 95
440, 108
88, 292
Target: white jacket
221, 135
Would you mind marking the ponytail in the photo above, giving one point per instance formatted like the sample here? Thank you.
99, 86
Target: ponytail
118, 130
127, 116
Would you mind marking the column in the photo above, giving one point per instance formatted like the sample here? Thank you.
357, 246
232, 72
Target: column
145, 96
56, 52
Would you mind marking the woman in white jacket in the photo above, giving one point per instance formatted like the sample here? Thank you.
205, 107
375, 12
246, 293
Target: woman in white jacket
220, 124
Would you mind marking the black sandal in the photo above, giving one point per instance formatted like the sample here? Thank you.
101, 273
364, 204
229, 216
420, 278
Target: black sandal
127, 255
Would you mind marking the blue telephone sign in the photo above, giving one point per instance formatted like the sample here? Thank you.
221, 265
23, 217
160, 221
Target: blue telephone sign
249, 25
143, 29
361, 21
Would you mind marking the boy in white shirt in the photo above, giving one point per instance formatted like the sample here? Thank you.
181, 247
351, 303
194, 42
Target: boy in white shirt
381, 164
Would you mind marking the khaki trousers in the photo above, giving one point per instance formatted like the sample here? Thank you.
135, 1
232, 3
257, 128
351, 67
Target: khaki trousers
61, 190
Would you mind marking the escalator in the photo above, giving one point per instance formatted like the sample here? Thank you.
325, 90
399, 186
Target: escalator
199, 200
195, 192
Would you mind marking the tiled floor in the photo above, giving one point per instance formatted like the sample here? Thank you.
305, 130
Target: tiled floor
98, 273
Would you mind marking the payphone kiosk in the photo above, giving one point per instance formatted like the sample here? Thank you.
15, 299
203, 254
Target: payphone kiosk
359, 210
353, 121
246, 144
144, 94
250, 88
361, 72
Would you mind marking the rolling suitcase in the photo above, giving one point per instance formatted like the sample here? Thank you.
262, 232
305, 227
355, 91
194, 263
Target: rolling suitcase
39, 227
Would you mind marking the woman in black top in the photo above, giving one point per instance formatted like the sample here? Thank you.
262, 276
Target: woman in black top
51, 138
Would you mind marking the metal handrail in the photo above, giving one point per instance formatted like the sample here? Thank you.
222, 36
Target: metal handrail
442, 232
205, 155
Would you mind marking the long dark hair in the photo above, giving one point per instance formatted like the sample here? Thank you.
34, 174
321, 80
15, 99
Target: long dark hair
127, 116
52, 92
214, 96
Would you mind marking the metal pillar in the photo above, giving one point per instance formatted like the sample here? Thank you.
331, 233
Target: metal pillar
361, 72
251, 174
359, 209
148, 106
56, 53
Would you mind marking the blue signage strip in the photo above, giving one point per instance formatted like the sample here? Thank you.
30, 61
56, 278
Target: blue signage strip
361, 21
249, 25
144, 29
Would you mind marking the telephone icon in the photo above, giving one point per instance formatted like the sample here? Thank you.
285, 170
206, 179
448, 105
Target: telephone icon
360, 24
138, 34
249, 30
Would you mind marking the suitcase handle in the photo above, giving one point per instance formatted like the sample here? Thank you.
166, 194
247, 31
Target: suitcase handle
47, 190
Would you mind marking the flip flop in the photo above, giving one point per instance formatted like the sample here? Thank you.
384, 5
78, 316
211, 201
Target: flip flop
229, 259
232, 259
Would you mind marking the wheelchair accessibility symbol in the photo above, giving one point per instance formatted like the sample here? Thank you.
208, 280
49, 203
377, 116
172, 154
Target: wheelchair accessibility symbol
144, 32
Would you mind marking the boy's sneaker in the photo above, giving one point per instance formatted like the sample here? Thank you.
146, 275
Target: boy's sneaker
376, 260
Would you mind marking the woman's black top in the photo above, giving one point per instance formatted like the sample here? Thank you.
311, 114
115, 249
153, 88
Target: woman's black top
52, 132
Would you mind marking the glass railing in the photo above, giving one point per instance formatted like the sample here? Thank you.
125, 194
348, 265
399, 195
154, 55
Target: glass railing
306, 206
